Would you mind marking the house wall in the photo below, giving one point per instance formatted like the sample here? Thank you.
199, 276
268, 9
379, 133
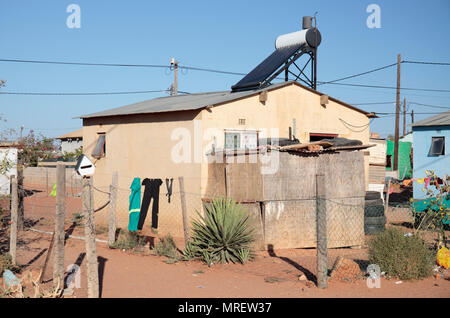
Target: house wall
279, 111
142, 145
70, 145
422, 161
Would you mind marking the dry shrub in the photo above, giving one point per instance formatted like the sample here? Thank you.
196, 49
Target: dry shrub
166, 247
405, 257
128, 240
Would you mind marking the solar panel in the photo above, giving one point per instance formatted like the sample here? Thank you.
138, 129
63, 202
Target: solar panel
267, 67
286, 47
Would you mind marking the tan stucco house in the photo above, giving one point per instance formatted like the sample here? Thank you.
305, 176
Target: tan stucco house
148, 139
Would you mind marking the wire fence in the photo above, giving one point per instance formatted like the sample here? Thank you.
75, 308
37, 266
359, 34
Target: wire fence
283, 224
279, 224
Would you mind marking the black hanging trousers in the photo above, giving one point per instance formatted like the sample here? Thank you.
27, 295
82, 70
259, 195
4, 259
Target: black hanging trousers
151, 191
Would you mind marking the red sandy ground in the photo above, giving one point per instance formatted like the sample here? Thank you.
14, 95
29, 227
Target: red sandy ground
131, 274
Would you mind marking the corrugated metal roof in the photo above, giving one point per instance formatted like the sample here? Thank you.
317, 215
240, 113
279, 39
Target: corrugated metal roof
194, 101
442, 119
73, 134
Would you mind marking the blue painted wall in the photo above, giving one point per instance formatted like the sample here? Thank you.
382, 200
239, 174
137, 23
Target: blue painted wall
422, 162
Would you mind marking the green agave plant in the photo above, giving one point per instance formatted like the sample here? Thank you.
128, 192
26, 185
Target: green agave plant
222, 234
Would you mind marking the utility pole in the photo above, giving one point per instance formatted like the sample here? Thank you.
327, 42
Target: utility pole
174, 64
404, 116
397, 115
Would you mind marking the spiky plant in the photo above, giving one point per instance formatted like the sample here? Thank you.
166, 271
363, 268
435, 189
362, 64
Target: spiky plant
222, 234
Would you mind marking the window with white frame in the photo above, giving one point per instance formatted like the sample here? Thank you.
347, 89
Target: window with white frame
241, 140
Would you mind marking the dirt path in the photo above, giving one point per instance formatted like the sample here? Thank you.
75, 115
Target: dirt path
128, 274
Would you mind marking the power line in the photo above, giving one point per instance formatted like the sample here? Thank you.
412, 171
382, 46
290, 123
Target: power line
84, 64
121, 65
374, 103
377, 113
51, 128
392, 87
83, 94
211, 70
360, 74
427, 63
427, 105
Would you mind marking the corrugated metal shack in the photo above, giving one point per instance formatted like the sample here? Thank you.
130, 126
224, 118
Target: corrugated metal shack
282, 205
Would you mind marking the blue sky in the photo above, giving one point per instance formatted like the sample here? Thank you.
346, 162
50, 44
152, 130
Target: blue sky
225, 35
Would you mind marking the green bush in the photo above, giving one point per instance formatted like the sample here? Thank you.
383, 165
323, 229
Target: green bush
166, 247
223, 235
128, 240
405, 257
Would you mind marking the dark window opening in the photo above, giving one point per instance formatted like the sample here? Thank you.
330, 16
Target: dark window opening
437, 146
389, 161
100, 147
318, 137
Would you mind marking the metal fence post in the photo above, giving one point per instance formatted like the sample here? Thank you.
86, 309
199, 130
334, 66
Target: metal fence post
60, 214
112, 209
184, 210
89, 233
14, 216
322, 248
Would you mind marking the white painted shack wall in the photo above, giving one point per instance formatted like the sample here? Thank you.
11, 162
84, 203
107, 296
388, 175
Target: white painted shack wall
9, 154
378, 153
71, 145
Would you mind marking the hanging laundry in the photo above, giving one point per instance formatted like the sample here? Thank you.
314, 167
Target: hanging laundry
151, 191
427, 182
53, 193
135, 204
420, 181
169, 184
407, 182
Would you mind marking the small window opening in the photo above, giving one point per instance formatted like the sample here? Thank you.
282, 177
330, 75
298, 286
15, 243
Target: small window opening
100, 147
437, 146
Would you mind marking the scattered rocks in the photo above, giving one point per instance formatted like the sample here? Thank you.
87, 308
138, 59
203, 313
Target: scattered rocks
345, 270
305, 281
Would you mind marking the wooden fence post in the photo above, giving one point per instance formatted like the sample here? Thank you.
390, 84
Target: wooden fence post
20, 196
184, 210
89, 236
322, 247
14, 216
46, 180
60, 214
112, 209
386, 203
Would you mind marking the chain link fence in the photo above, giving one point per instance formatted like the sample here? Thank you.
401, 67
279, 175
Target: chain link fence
283, 224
